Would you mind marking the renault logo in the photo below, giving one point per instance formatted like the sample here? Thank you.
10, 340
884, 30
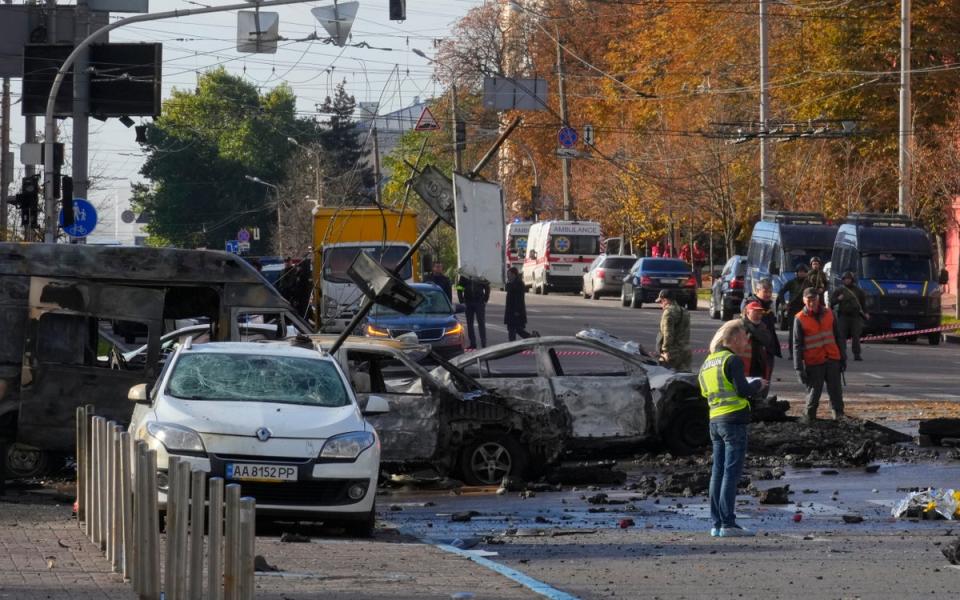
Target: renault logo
263, 434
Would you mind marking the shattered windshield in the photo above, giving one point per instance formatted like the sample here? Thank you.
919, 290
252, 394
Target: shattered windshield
257, 378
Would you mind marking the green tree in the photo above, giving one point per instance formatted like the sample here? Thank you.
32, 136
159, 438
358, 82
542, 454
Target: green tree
350, 179
199, 152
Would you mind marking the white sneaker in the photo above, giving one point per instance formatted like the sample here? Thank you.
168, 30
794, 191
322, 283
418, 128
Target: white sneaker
714, 532
736, 531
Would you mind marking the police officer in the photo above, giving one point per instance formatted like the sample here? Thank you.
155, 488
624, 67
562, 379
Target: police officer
474, 293
794, 289
817, 357
848, 302
728, 396
673, 342
816, 278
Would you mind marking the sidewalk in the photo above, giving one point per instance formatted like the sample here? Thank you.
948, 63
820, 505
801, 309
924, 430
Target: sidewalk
45, 556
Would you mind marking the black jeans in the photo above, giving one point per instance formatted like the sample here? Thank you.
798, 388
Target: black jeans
478, 311
517, 331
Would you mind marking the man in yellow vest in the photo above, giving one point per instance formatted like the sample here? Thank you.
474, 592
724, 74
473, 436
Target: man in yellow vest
728, 395
817, 357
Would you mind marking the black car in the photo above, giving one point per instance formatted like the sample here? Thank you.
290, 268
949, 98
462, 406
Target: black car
650, 275
726, 294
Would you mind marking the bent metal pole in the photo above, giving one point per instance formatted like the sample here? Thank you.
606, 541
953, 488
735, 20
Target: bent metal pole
50, 130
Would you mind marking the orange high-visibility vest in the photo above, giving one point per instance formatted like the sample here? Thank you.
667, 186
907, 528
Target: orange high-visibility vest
819, 345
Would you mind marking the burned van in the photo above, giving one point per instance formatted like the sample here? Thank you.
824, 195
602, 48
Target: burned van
71, 314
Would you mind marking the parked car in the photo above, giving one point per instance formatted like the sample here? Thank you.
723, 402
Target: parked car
447, 420
280, 420
727, 291
650, 275
604, 276
434, 322
617, 396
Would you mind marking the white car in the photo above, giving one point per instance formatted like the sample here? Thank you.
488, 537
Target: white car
280, 420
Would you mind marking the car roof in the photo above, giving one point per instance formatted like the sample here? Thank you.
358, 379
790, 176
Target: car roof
549, 340
280, 348
360, 342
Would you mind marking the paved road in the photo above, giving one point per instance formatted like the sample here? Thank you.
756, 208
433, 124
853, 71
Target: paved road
891, 370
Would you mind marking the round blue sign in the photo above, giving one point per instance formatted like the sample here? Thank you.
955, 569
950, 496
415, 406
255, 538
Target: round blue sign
84, 219
567, 137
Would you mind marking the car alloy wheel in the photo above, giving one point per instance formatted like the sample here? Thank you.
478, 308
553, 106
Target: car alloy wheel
490, 462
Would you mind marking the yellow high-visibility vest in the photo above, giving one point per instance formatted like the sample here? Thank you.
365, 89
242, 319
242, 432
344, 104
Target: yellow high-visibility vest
721, 394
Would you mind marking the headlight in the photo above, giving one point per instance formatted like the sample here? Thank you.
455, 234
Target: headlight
455, 330
374, 331
347, 445
176, 437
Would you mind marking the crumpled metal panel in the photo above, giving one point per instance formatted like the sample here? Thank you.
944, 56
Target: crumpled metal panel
606, 407
536, 389
410, 431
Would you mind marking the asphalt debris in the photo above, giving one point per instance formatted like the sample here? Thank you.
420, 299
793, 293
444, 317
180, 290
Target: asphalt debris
775, 495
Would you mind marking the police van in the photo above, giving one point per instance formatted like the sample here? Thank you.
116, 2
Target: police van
892, 261
557, 251
781, 241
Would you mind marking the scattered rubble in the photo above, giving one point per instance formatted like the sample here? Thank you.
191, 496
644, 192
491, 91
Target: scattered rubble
938, 431
775, 495
260, 565
952, 551
464, 517
294, 538
852, 519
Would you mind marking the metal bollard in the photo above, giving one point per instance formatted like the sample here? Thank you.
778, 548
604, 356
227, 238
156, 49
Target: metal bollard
247, 547
88, 474
110, 496
183, 521
117, 502
231, 541
95, 505
215, 543
105, 466
81, 464
126, 506
169, 583
152, 532
198, 497
140, 517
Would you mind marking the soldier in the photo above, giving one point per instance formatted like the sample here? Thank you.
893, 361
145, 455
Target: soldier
794, 289
673, 343
848, 302
816, 278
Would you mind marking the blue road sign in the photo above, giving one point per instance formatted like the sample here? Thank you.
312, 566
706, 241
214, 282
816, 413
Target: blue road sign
84, 219
567, 136
232, 246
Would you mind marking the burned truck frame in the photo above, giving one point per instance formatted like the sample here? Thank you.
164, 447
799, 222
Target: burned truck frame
66, 310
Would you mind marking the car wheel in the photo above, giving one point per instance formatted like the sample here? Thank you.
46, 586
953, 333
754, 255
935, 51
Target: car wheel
783, 320
725, 314
22, 461
595, 295
543, 288
489, 458
634, 301
934, 339
364, 527
689, 430
623, 298
714, 311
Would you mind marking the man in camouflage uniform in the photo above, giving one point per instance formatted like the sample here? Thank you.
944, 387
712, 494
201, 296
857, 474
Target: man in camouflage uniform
816, 278
848, 302
673, 342
794, 289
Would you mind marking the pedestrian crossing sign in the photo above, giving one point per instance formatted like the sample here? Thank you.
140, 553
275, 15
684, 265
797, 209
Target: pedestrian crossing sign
427, 122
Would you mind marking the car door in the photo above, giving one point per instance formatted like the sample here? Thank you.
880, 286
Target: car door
410, 431
516, 370
609, 400
73, 328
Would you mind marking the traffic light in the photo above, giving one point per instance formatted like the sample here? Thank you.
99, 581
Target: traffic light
67, 201
398, 10
461, 135
28, 199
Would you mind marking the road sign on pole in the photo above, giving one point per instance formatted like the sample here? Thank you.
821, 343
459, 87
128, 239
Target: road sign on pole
84, 219
243, 236
588, 135
232, 246
427, 122
567, 137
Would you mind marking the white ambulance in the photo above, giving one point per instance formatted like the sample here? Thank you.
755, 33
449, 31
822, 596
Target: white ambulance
516, 238
557, 252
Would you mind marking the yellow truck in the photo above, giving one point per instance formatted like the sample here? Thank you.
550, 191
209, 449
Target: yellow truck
339, 234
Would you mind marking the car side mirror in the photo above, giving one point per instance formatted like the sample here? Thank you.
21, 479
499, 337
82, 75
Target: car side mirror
459, 308
138, 393
376, 405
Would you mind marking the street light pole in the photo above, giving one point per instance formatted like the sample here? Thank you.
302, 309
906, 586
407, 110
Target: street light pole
318, 184
50, 128
276, 191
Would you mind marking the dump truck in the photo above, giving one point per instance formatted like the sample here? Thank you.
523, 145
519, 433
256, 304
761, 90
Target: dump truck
340, 234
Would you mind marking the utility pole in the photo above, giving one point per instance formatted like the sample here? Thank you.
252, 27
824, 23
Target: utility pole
903, 195
4, 150
565, 162
81, 103
376, 162
764, 112
457, 151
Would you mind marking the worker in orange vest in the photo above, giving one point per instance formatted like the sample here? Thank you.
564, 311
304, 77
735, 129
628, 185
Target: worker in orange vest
816, 355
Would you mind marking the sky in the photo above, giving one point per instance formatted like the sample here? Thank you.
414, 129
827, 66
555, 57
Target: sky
390, 73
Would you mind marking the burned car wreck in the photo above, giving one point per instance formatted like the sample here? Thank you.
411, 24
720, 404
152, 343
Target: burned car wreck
456, 425
618, 397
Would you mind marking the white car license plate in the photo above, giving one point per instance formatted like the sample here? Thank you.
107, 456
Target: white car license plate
669, 281
254, 472
561, 267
